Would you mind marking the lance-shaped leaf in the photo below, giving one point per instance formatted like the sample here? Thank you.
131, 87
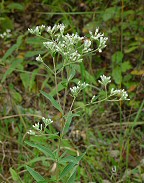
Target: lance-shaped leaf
68, 121
43, 149
67, 169
35, 174
53, 101
72, 177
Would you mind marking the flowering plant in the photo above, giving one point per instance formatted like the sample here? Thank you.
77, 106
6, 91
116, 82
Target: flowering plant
72, 48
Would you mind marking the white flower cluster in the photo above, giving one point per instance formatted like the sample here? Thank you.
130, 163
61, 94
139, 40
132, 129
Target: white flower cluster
67, 46
38, 126
87, 44
39, 58
100, 38
104, 80
73, 39
38, 30
120, 93
71, 46
47, 121
6, 34
31, 132
76, 89
55, 28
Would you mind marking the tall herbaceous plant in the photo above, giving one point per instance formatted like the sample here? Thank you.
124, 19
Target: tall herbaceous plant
69, 50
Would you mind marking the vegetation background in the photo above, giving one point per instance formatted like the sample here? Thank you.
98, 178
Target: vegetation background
113, 133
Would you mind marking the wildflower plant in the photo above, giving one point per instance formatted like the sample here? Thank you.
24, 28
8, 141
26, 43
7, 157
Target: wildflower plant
72, 48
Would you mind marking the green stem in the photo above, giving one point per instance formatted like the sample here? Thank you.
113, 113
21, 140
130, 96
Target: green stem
56, 84
48, 68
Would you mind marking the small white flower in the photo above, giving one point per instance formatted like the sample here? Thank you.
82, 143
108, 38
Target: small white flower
31, 132
100, 38
37, 30
6, 34
114, 169
55, 28
93, 98
62, 27
37, 126
104, 80
31, 31
76, 89
39, 58
47, 121
121, 93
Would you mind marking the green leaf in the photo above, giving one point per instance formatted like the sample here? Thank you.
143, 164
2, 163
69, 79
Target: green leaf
131, 49
6, 23
89, 78
16, 6
72, 177
25, 77
66, 170
33, 53
43, 149
32, 80
35, 174
80, 157
15, 95
52, 100
15, 175
125, 66
109, 13
116, 73
60, 87
14, 64
68, 121
34, 41
69, 159
13, 48
117, 57
72, 74
36, 159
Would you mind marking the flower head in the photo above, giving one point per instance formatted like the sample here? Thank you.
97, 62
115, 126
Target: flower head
37, 30
31, 132
100, 38
37, 126
76, 89
47, 121
121, 93
39, 58
104, 80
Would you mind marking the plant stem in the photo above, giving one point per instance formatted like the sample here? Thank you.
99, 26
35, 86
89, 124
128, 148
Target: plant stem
56, 84
72, 104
